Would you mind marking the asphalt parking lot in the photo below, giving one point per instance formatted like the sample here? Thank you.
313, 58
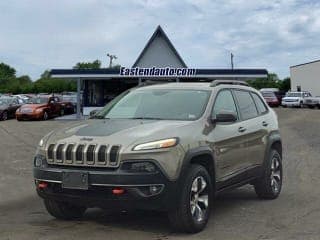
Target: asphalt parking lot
238, 214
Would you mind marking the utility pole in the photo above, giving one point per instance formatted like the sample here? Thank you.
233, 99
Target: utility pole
111, 59
231, 58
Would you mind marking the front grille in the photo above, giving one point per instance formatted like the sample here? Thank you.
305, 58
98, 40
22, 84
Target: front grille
94, 155
114, 152
50, 151
59, 153
69, 152
79, 153
90, 154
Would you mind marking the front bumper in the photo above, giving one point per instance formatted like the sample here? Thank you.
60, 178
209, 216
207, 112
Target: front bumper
29, 116
291, 104
101, 183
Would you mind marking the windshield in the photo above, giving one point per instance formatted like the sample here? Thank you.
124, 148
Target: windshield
268, 94
5, 101
294, 94
38, 100
160, 104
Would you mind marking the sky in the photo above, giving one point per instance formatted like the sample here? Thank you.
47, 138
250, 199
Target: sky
46, 34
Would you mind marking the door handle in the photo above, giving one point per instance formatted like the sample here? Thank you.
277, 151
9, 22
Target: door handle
264, 123
242, 129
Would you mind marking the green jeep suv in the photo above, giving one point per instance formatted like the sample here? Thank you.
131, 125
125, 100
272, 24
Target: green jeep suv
168, 147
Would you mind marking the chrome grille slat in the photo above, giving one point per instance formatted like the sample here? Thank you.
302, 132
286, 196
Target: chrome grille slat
90, 154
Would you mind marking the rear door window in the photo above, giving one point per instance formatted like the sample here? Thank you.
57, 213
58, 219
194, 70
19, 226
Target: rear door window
259, 103
246, 104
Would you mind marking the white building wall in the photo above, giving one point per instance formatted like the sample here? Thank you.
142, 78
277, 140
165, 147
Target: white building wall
307, 76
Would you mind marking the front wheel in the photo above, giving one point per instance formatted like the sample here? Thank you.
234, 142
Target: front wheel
5, 115
194, 203
270, 183
65, 211
45, 116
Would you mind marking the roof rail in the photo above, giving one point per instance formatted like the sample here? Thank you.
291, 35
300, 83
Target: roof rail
215, 83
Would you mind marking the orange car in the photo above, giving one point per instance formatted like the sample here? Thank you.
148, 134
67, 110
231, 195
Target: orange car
40, 108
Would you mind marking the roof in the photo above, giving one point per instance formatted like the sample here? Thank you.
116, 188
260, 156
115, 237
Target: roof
115, 73
159, 32
192, 86
305, 63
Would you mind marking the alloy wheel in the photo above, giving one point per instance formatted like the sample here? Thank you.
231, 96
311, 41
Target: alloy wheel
45, 116
275, 175
199, 199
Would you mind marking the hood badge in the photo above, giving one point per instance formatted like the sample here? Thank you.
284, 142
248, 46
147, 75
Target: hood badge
86, 139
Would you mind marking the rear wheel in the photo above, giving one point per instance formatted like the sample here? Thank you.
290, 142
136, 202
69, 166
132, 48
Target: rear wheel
65, 211
269, 185
194, 204
61, 112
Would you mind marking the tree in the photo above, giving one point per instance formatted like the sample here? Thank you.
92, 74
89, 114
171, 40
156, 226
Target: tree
285, 84
88, 65
6, 73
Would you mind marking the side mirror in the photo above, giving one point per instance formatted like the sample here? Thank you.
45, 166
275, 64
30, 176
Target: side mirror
225, 117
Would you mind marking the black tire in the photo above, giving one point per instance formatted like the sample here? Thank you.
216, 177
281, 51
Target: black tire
62, 112
181, 218
65, 211
45, 116
270, 184
4, 116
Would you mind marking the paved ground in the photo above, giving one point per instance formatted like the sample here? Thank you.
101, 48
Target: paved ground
236, 215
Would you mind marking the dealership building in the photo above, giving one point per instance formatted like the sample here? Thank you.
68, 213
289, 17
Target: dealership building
306, 77
159, 61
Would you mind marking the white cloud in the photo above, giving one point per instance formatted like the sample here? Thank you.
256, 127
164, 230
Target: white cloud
37, 35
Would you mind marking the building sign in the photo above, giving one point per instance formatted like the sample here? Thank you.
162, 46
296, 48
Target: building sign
157, 72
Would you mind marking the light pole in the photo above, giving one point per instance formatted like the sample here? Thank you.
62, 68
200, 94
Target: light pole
231, 58
111, 59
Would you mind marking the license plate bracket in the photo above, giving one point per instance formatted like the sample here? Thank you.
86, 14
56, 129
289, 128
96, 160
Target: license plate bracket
75, 180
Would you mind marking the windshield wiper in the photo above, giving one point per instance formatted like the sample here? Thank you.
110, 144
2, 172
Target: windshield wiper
97, 117
147, 118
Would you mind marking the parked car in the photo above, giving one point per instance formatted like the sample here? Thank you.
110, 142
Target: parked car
279, 93
21, 98
271, 98
71, 99
167, 147
40, 108
8, 107
295, 99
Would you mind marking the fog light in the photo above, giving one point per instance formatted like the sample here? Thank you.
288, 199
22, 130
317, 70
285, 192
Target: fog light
155, 189
139, 167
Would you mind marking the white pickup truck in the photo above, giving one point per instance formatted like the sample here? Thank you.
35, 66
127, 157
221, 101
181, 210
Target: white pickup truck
296, 99
312, 102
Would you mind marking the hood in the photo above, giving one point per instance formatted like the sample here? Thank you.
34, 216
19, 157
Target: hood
33, 106
121, 131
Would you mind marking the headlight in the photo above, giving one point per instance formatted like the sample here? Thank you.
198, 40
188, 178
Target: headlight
41, 143
38, 110
165, 143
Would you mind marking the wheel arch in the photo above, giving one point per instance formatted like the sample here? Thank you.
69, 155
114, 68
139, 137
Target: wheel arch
274, 142
202, 156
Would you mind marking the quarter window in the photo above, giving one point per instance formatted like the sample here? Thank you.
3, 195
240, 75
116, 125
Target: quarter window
246, 105
260, 105
224, 103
